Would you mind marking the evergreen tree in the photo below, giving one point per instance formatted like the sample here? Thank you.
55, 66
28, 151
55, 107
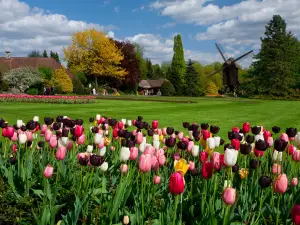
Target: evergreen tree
157, 72
192, 80
178, 67
275, 70
34, 53
45, 55
142, 62
149, 69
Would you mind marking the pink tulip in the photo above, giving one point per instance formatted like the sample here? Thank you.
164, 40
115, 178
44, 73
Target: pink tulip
53, 141
176, 156
100, 132
44, 128
81, 155
81, 139
134, 151
291, 149
180, 135
124, 168
149, 150
164, 131
154, 163
190, 146
216, 161
145, 163
229, 195
139, 137
162, 160
48, 172
173, 135
294, 181
156, 179
284, 136
15, 137
120, 125
101, 144
61, 153
276, 168
281, 184
112, 148
296, 156
29, 135
191, 165
134, 132
270, 141
48, 135
14, 148
70, 145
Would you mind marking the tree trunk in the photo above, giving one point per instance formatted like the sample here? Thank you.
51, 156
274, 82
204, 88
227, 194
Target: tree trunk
96, 82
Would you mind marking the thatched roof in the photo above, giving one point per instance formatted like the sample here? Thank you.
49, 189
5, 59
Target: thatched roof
151, 83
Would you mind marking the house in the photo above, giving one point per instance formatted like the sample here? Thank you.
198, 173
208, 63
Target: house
17, 62
151, 87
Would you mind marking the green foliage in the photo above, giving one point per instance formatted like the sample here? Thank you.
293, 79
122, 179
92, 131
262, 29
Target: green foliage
167, 89
23, 78
35, 53
178, 67
149, 69
45, 55
142, 62
78, 87
46, 72
32, 91
3, 69
276, 68
192, 81
55, 56
58, 89
157, 72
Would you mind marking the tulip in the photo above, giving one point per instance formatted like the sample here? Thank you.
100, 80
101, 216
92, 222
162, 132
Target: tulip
78, 131
53, 141
191, 165
277, 156
180, 135
291, 149
102, 151
48, 172
195, 150
258, 153
206, 134
284, 137
264, 181
22, 138
229, 195
291, 132
243, 173
267, 134
295, 213
139, 138
203, 157
246, 127
96, 160
97, 138
207, 170
61, 153
98, 117
297, 139
235, 129
270, 141
15, 137
254, 163
281, 184
145, 163
176, 183
245, 149
129, 123
217, 141
112, 148
211, 143
36, 118
10, 132
230, 157
181, 166
126, 220
19, 123
216, 161
235, 143
296, 156
81, 139
156, 144
214, 129
154, 124
48, 135
294, 181
70, 145
29, 135
276, 168
156, 179
256, 130
104, 167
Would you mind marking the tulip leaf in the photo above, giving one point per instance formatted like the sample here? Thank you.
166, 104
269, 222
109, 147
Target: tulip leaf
39, 193
54, 211
46, 216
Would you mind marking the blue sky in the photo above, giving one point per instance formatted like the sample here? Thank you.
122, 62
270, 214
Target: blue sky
236, 24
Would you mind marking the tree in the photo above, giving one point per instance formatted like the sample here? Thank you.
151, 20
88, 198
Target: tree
149, 69
192, 80
95, 54
55, 56
142, 62
45, 55
277, 64
157, 72
130, 64
22, 78
61, 78
178, 67
34, 53
46, 72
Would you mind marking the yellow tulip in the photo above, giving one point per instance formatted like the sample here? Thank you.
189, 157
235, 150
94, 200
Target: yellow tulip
95, 123
161, 137
208, 151
202, 142
106, 141
181, 166
243, 173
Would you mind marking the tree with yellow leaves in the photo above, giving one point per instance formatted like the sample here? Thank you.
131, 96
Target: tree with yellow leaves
61, 78
95, 54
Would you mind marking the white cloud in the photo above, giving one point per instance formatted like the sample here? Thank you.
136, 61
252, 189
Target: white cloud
167, 25
23, 29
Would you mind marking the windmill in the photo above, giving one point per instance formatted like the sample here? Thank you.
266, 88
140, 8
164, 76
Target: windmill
230, 72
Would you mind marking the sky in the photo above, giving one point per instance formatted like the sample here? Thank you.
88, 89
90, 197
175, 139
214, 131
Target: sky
27, 25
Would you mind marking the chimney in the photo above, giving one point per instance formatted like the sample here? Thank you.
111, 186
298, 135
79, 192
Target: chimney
7, 54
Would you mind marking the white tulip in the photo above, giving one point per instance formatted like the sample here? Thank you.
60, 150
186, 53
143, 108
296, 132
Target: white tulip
243, 139
259, 137
60, 143
124, 154
144, 140
19, 123
142, 147
65, 117
230, 156
129, 123
36, 118
97, 138
195, 150
104, 167
155, 137
297, 139
277, 156
65, 140
89, 149
102, 151
191, 135
22, 138
123, 121
217, 141
156, 144
211, 143
98, 117
106, 132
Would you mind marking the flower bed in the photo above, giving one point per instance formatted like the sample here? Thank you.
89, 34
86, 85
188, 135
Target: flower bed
108, 171
46, 98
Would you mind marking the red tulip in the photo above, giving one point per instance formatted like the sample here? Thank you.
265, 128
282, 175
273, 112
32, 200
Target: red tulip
120, 125
115, 133
133, 122
281, 184
207, 170
236, 129
229, 195
154, 124
291, 149
14, 148
258, 153
176, 183
295, 212
61, 153
246, 127
78, 131
203, 157
267, 134
206, 134
235, 143
4, 132
10, 132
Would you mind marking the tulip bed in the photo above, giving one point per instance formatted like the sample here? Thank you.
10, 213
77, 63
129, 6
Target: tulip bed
105, 171
46, 99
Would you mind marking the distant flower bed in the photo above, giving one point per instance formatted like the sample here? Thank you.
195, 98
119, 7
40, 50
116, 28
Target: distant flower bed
46, 98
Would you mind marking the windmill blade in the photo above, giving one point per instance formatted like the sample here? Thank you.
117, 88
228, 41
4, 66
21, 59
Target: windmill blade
217, 71
220, 52
243, 56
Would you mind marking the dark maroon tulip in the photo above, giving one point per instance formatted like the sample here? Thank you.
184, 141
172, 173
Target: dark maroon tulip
23, 128
31, 125
41, 144
58, 134
196, 133
195, 172
56, 126
1, 122
182, 145
65, 133
276, 129
254, 163
228, 146
261, 145
132, 137
233, 135
83, 161
79, 122
265, 181
48, 121
59, 119
96, 160
256, 130
280, 145
130, 144
176, 132
126, 134
250, 139
71, 123
185, 124
170, 130
245, 149
12, 160
222, 142
124, 142
150, 132
91, 119
139, 125
204, 126
28, 143
194, 127
112, 122
74, 138
95, 130
197, 138
16, 127
170, 142
214, 129
291, 132
140, 118
235, 168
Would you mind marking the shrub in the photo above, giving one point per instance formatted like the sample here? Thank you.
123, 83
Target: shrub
22, 78
58, 89
78, 87
211, 89
167, 89
32, 91
46, 72
61, 78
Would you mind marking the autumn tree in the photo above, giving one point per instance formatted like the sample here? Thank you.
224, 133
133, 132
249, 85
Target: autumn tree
61, 78
93, 53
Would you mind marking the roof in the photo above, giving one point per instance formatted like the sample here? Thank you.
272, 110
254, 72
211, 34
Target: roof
17, 62
151, 83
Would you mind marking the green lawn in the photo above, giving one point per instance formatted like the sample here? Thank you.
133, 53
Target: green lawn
225, 112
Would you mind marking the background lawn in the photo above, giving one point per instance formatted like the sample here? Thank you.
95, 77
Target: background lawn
225, 112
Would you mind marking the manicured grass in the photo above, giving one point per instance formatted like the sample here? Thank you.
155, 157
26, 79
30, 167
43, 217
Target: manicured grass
225, 112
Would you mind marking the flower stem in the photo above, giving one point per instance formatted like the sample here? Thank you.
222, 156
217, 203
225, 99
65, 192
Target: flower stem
175, 210
277, 211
